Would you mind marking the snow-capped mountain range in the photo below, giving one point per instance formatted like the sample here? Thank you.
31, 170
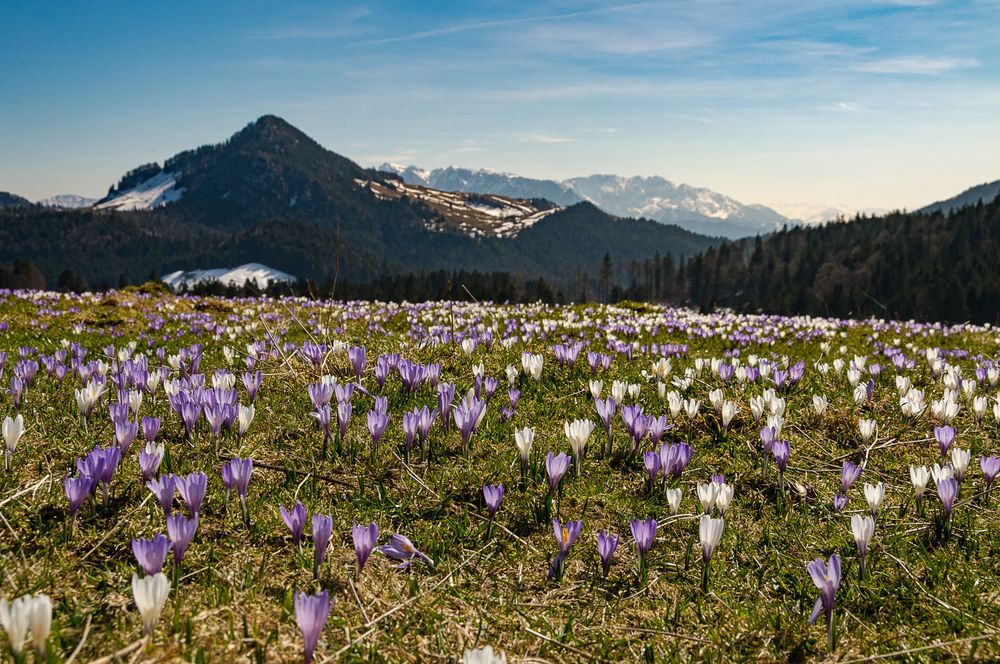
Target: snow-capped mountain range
237, 276
696, 209
67, 201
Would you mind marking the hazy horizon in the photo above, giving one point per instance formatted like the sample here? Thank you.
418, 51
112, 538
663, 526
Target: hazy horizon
856, 104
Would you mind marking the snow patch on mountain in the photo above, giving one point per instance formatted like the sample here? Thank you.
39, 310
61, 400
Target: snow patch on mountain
67, 201
471, 214
154, 192
237, 276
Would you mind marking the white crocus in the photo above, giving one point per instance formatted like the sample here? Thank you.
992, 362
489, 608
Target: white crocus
729, 411
960, 461
484, 656
13, 429
707, 495
724, 498
716, 398
578, 432
40, 622
511, 372
691, 407
874, 495
867, 428
674, 500
596, 387
820, 404
150, 594
468, 345
919, 476
862, 527
524, 438
618, 390
14, 618
244, 418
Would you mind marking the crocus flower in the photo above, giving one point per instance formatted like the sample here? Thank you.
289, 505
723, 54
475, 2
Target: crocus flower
311, 612
244, 417
990, 466
556, 466
849, 474
14, 618
150, 428
710, 534
643, 532
862, 527
163, 491
151, 553
782, 451
948, 491
241, 470
40, 622
77, 489
295, 519
707, 495
839, 502
13, 429
578, 432
150, 457
565, 537
826, 577
484, 655
919, 476
493, 495
724, 498
673, 499
874, 495
960, 462
365, 538
651, 460
322, 529
606, 545
524, 438
150, 594
401, 548
377, 423
192, 489
945, 436
181, 530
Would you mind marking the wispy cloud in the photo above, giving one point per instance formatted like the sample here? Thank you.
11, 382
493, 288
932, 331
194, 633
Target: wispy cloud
499, 23
539, 137
916, 64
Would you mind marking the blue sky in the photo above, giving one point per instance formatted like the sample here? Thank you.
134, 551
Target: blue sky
889, 104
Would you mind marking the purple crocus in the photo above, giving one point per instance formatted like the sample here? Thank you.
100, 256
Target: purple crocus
295, 519
150, 457
163, 491
311, 612
343, 420
402, 549
944, 436
150, 428
252, 381
643, 532
192, 489
445, 396
606, 412
77, 489
151, 553
849, 474
826, 577
606, 545
358, 358
181, 530
839, 502
556, 466
651, 460
990, 466
565, 537
125, 434
228, 481
365, 538
322, 529
377, 423
241, 470
493, 495
782, 451
947, 491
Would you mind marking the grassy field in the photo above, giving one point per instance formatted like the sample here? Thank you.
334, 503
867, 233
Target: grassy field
930, 589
